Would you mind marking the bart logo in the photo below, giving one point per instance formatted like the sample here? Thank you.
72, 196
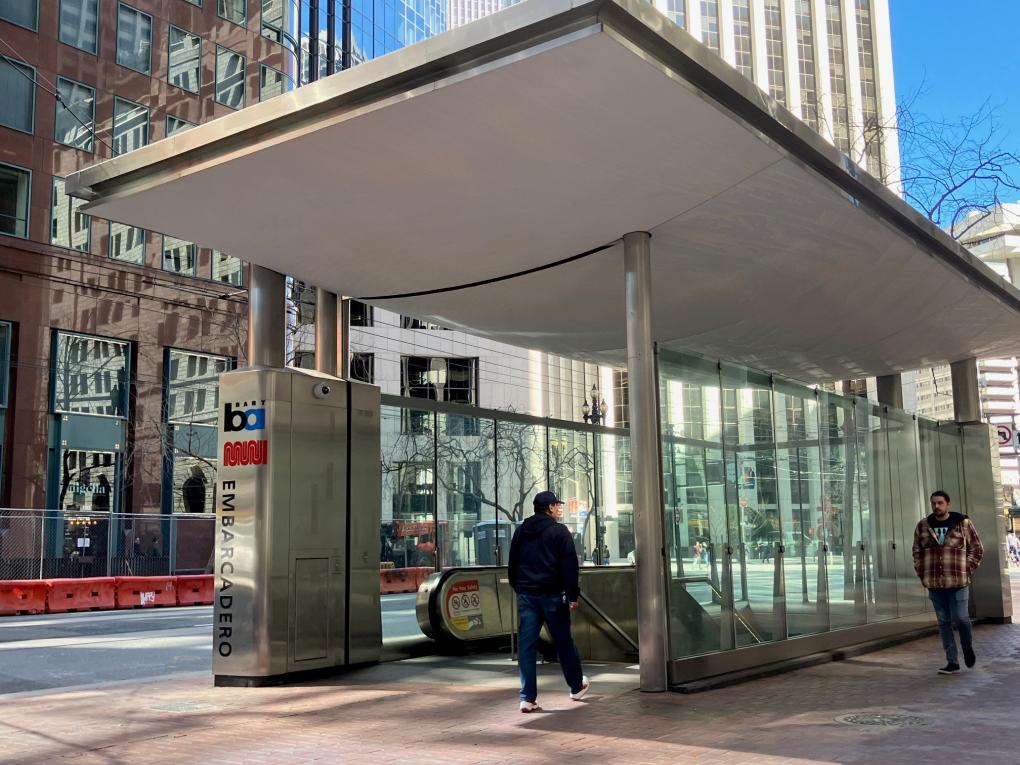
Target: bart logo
235, 419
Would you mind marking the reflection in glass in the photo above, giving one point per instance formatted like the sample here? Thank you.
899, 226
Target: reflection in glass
227, 269
467, 490
408, 488
229, 78
192, 386
130, 126
127, 243
69, 226
185, 68
134, 39
75, 121
179, 255
87, 481
90, 375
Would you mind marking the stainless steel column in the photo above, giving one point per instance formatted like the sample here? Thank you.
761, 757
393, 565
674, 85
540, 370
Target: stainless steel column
890, 390
966, 401
267, 313
644, 440
344, 340
325, 331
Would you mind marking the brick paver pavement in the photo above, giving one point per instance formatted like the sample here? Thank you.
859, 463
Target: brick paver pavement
464, 710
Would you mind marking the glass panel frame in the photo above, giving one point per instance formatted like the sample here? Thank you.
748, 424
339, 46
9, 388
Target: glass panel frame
134, 39
18, 84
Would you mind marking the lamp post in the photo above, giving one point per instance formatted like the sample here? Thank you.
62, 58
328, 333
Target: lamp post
595, 414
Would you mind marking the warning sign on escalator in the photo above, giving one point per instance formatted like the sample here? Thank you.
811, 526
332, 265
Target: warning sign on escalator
464, 606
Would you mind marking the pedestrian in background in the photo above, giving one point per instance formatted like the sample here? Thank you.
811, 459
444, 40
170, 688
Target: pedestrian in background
543, 571
946, 551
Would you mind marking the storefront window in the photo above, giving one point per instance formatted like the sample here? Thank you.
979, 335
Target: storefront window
87, 481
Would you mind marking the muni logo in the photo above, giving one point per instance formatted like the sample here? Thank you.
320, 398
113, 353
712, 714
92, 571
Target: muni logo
235, 418
245, 453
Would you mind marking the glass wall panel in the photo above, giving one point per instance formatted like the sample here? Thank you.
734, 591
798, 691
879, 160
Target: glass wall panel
752, 504
877, 526
841, 521
909, 501
408, 531
573, 477
616, 498
127, 243
18, 107
700, 591
522, 472
799, 472
90, 375
466, 466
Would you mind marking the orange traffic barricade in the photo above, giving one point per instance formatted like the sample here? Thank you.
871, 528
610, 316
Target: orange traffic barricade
95, 594
22, 596
394, 580
196, 590
146, 591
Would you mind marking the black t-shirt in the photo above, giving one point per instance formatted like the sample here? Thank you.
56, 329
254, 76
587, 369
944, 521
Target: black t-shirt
942, 528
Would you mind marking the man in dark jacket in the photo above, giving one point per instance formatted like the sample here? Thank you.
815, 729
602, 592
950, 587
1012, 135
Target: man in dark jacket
543, 572
946, 550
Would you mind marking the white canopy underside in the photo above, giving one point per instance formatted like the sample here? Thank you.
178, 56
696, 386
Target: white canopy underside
489, 158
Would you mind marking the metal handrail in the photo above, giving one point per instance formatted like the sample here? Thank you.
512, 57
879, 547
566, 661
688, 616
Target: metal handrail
605, 617
712, 587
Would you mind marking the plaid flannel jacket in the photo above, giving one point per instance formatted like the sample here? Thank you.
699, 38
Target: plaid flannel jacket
949, 564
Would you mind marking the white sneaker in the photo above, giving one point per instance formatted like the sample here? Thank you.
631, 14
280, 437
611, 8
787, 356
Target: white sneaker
530, 706
585, 685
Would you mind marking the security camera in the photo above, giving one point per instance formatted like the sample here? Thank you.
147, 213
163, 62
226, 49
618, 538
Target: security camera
320, 390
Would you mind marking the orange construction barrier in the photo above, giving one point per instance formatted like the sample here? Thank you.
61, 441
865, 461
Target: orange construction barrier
22, 596
394, 580
97, 594
195, 590
146, 591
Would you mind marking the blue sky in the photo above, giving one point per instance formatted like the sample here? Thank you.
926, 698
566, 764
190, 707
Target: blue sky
964, 53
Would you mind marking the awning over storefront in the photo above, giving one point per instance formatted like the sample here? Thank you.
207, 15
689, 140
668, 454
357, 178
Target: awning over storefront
546, 132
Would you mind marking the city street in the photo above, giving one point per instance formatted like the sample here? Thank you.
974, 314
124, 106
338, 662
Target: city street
62, 650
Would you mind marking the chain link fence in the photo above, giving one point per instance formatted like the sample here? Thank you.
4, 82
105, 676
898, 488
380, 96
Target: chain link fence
51, 544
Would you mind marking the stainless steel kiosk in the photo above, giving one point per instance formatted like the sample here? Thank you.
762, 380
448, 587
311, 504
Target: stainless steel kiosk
297, 504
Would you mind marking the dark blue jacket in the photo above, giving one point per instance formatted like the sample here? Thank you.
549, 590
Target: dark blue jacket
543, 559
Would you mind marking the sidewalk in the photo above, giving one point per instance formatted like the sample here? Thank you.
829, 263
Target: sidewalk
464, 710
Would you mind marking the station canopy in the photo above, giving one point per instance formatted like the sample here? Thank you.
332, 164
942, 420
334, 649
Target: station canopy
535, 139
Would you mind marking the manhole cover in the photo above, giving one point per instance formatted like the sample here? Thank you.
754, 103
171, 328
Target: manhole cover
885, 720
182, 706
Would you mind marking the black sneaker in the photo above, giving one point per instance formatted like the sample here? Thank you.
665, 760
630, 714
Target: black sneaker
950, 669
968, 657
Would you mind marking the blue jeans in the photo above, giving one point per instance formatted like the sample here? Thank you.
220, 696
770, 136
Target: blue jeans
952, 608
533, 610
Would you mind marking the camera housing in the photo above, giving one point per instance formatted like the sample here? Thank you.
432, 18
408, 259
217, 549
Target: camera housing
321, 390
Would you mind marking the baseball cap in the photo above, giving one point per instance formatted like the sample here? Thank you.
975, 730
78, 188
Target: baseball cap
546, 498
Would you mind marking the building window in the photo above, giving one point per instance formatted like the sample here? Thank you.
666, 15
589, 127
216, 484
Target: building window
17, 82
233, 10
179, 256
409, 322
440, 378
196, 3
229, 78
79, 24
273, 83
710, 24
75, 123
185, 66
192, 387
227, 269
90, 375
837, 75
24, 13
127, 243
361, 315
743, 47
676, 12
806, 63
134, 39
177, 125
869, 91
69, 226
280, 20
363, 367
5, 371
774, 50
130, 126
15, 191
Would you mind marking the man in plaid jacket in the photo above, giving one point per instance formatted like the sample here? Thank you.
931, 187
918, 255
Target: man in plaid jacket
946, 552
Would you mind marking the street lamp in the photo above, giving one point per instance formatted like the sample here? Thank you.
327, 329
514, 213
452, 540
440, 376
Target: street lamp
596, 413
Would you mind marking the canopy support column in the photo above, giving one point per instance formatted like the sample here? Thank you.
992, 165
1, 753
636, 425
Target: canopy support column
267, 312
890, 390
644, 440
344, 341
966, 400
326, 340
